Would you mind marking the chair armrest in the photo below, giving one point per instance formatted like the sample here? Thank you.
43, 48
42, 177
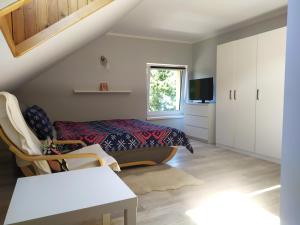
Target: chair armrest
68, 142
56, 157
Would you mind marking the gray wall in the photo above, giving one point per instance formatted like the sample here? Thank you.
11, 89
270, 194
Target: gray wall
127, 57
205, 52
290, 178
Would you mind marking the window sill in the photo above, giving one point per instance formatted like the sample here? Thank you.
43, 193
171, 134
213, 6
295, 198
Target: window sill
152, 118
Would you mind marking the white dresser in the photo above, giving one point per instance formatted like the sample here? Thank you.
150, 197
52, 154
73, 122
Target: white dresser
199, 121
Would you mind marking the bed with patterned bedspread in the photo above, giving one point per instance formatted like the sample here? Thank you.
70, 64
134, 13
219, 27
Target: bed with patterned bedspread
122, 135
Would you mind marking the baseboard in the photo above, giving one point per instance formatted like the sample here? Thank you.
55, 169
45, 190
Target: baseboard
253, 154
198, 139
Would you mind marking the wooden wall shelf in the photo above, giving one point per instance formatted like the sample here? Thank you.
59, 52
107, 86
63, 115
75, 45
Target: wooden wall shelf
76, 91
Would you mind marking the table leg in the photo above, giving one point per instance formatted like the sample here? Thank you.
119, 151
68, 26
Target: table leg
130, 216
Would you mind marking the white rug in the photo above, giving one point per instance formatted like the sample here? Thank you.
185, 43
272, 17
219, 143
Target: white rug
163, 178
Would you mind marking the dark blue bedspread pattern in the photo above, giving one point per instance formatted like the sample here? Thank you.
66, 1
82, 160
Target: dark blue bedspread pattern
122, 135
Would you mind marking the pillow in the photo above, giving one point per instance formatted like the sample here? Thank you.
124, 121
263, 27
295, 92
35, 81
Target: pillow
56, 166
39, 122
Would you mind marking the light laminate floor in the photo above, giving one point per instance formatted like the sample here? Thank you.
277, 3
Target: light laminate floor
234, 185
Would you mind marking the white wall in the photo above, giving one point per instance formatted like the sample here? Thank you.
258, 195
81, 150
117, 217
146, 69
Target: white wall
127, 57
290, 194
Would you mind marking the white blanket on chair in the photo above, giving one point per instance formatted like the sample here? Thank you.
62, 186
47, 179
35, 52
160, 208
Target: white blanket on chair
14, 125
29, 142
74, 164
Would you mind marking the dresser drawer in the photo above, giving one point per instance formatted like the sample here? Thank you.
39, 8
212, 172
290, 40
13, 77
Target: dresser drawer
196, 132
197, 110
196, 121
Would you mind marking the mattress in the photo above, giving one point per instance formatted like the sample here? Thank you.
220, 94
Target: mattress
122, 135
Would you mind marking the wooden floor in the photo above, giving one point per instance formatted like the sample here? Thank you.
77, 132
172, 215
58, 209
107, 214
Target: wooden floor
221, 171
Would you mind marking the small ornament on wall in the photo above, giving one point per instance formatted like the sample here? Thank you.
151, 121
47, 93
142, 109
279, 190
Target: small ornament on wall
104, 61
103, 86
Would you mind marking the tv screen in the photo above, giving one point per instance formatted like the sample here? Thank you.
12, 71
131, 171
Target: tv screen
202, 89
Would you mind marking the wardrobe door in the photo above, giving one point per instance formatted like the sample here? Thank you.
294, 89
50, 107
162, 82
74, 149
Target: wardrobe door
270, 92
244, 93
225, 85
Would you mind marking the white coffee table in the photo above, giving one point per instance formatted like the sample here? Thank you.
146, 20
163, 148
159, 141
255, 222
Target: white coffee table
71, 197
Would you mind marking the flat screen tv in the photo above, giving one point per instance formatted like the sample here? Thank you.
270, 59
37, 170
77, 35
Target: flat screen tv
202, 89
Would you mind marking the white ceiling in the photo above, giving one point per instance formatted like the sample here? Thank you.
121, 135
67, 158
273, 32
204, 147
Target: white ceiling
191, 20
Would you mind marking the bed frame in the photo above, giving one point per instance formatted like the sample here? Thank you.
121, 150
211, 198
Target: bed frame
144, 156
137, 157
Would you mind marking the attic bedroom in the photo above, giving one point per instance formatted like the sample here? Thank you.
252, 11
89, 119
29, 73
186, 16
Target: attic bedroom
149, 112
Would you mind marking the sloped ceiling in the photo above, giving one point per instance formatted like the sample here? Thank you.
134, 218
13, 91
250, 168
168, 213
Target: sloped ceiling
15, 71
191, 20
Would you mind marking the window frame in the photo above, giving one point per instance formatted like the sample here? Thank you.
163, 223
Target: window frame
167, 114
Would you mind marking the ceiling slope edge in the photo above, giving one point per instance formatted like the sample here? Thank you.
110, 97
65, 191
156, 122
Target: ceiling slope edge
16, 71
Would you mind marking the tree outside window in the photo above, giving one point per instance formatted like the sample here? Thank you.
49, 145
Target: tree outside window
164, 90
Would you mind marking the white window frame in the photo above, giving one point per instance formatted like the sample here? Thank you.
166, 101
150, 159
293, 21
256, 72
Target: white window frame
169, 114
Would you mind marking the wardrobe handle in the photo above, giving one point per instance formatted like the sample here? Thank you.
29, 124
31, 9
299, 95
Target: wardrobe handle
230, 95
257, 94
234, 94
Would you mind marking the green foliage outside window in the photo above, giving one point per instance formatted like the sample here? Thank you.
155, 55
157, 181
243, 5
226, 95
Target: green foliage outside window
164, 90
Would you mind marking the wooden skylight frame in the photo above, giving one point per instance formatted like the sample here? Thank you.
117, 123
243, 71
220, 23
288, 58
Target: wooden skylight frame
44, 35
7, 6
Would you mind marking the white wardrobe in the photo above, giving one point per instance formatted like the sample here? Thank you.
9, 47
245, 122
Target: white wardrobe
250, 94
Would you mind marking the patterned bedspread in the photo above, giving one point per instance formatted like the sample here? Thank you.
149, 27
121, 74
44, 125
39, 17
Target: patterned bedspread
122, 135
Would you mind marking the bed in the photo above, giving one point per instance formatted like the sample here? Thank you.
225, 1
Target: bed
131, 142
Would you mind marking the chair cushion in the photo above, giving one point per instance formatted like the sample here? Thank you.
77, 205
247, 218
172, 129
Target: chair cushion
39, 122
56, 166
74, 164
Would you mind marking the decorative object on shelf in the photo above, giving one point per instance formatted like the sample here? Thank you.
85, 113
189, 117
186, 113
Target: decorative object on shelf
103, 86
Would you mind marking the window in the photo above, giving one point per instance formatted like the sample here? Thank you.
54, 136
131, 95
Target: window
165, 90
